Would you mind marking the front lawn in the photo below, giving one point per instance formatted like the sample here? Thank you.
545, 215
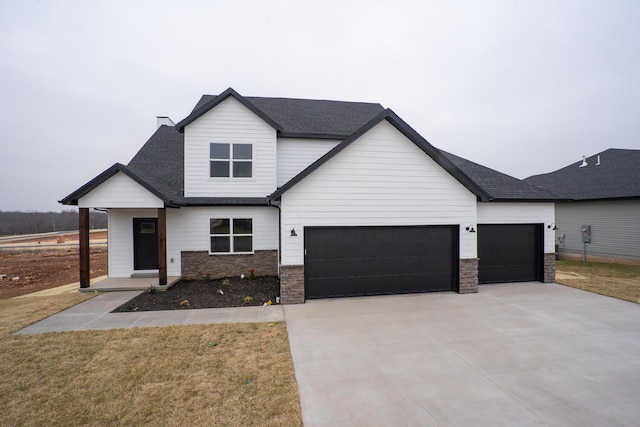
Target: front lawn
229, 374
614, 280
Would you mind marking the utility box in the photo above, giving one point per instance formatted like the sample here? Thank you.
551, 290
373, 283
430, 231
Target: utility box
586, 234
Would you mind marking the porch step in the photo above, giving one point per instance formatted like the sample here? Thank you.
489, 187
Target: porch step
143, 275
130, 284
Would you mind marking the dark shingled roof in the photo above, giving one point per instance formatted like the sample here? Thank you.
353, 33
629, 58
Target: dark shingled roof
309, 117
159, 164
485, 183
501, 187
161, 158
617, 176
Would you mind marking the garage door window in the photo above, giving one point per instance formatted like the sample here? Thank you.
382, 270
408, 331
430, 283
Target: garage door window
231, 235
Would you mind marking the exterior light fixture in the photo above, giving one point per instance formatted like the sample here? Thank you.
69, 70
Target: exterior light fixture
470, 228
553, 226
293, 232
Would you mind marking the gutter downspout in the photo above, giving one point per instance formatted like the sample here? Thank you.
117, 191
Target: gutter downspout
269, 202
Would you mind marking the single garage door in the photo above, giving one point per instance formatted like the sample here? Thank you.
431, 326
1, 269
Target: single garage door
350, 261
510, 253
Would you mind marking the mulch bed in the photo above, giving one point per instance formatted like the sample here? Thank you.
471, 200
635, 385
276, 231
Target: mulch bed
192, 294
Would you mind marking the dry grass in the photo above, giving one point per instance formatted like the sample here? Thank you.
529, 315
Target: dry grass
614, 280
16, 314
146, 376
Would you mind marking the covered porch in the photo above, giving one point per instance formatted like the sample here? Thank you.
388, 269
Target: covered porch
153, 253
137, 233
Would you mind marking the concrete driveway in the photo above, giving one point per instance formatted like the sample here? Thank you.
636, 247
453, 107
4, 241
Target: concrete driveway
511, 355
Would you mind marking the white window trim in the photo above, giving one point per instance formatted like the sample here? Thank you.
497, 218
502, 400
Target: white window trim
230, 160
231, 236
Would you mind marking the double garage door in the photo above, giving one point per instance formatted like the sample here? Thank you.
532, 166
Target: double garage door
351, 261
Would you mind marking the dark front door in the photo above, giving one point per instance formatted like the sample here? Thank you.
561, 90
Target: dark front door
350, 261
510, 253
145, 243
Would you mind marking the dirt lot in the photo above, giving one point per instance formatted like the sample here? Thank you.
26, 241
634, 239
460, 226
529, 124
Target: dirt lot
31, 270
71, 237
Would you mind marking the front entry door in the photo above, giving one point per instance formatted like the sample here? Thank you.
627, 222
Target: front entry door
145, 243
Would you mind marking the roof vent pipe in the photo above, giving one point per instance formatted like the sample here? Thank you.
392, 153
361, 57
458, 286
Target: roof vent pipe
584, 162
598, 164
163, 120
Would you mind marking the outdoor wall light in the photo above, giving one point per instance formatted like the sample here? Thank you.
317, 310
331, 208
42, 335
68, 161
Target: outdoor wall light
293, 232
553, 226
470, 228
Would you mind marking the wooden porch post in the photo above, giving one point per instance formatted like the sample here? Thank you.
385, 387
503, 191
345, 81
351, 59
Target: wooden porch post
83, 227
162, 246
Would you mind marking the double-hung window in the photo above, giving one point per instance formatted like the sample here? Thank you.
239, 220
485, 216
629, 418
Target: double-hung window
231, 235
230, 160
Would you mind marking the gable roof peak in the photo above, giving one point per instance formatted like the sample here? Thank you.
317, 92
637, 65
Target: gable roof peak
214, 101
411, 135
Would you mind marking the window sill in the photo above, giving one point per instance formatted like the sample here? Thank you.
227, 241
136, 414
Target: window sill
231, 253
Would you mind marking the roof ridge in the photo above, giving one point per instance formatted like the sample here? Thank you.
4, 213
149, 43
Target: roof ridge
312, 99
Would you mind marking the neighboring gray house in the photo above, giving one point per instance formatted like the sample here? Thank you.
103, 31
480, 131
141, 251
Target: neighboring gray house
604, 190
336, 198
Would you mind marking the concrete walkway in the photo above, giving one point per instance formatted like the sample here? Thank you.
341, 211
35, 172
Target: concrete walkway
96, 314
512, 355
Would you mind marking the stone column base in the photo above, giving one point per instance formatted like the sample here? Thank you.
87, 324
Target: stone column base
292, 284
549, 268
468, 276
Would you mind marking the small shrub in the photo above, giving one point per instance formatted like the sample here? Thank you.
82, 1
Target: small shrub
226, 282
208, 278
247, 300
252, 274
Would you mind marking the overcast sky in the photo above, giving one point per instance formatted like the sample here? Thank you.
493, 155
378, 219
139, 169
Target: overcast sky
523, 87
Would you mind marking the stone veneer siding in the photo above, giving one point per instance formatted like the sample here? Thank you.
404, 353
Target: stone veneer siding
468, 276
292, 284
197, 264
549, 268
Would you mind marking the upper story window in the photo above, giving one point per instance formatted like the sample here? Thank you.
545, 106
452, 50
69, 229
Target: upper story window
230, 160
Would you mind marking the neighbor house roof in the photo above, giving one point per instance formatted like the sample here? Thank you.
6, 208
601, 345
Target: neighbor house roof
500, 186
615, 176
297, 118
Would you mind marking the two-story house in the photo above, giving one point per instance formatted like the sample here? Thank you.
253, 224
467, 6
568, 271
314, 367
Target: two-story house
336, 198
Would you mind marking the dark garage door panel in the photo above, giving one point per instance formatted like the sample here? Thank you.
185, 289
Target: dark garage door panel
510, 253
350, 261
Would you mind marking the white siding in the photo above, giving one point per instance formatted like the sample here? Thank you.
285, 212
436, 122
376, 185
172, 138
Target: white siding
229, 122
120, 191
520, 213
121, 239
295, 154
188, 229
380, 179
